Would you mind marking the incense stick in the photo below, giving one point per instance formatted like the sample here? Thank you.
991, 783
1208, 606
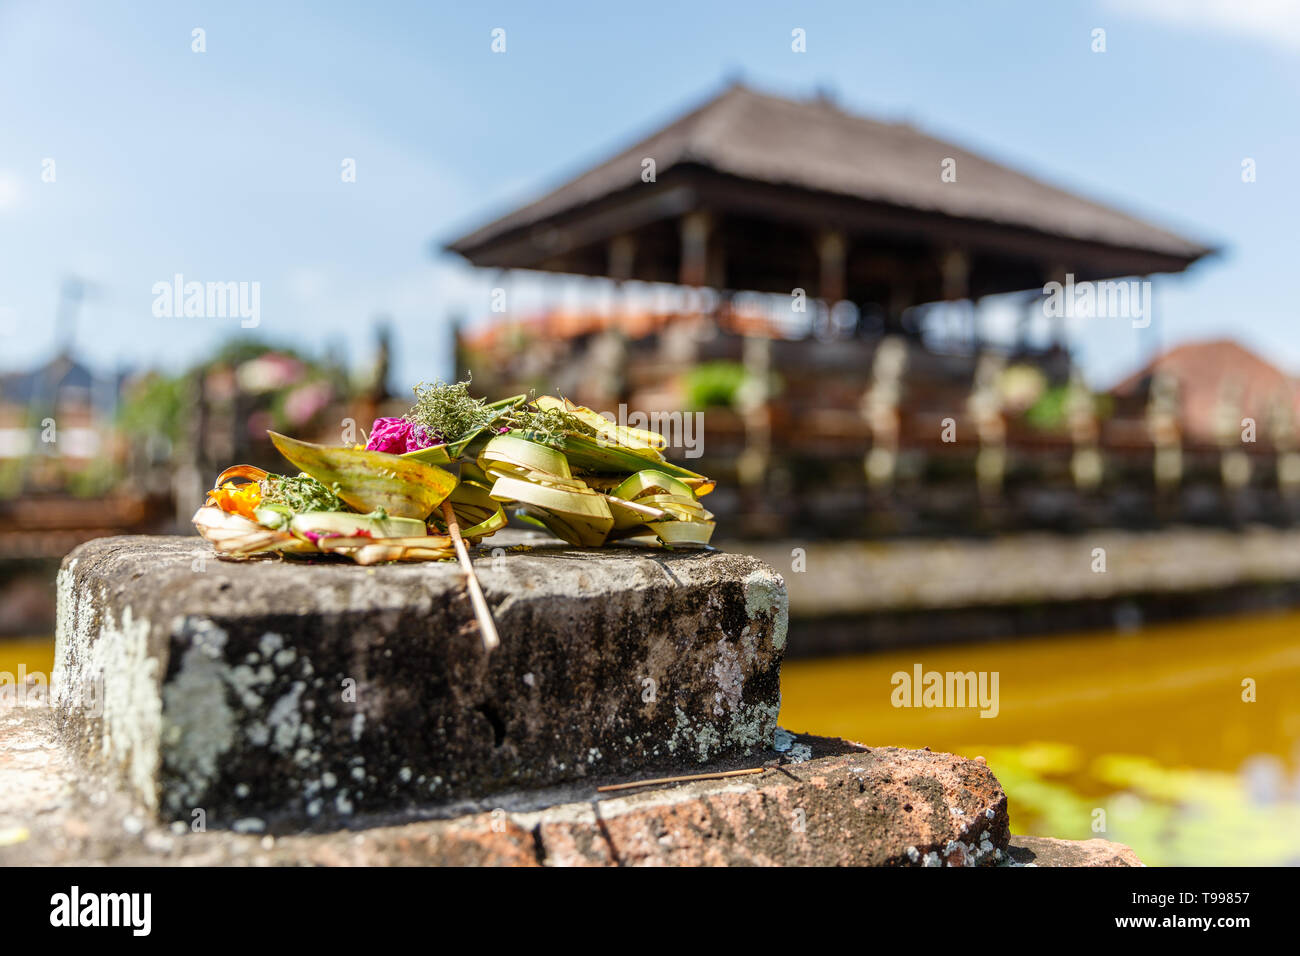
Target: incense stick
690, 776
486, 626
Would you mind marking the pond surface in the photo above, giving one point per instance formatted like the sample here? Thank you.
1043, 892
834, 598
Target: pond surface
1148, 727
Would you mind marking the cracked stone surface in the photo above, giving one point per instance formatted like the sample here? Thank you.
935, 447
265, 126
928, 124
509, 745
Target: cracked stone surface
845, 805
271, 694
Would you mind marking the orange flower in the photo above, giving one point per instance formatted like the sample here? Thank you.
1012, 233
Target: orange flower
237, 499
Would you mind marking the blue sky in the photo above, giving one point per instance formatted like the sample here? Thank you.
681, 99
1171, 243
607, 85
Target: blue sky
225, 165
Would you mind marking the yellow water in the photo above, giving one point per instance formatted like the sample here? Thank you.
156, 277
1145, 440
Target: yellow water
34, 654
1149, 727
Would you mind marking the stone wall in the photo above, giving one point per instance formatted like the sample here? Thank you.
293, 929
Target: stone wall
306, 693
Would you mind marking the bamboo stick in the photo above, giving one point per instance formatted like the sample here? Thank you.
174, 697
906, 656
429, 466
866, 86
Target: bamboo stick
486, 626
690, 776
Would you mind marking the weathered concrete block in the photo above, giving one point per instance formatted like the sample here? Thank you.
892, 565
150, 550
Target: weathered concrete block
276, 691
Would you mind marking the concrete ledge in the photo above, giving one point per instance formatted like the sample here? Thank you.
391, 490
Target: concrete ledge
272, 693
1030, 569
843, 805
858, 596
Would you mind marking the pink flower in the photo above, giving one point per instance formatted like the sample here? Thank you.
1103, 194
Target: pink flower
268, 373
398, 436
304, 402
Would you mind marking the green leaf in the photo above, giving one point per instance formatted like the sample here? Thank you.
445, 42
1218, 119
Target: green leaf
604, 459
370, 480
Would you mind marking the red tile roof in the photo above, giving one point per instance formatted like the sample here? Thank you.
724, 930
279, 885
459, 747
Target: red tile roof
1205, 371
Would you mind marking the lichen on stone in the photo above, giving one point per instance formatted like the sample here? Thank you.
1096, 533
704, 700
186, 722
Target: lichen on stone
106, 671
199, 724
765, 595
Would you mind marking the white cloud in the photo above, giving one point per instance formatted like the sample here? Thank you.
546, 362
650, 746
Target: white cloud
1275, 22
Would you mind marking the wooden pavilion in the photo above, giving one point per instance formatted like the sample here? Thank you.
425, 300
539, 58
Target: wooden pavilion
754, 193
757, 192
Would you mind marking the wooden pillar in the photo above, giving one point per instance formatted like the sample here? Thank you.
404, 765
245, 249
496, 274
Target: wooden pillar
1058, 273
831, 255
715, 270
954, 271
622, 257
695, 230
